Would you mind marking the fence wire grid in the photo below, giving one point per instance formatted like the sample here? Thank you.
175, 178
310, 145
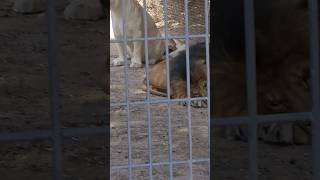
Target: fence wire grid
56, 133
127, 103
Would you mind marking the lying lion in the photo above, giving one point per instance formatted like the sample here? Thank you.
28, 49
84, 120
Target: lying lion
178, 75
283, 91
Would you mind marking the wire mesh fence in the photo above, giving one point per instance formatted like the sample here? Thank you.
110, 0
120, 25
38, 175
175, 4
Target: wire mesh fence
253, 119
175, 162
58, 134
166, 166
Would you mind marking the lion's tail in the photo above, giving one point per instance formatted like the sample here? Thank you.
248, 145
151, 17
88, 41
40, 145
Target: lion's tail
152, 90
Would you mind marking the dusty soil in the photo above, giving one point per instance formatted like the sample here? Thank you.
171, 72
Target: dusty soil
159, 126
276, 162
24, 104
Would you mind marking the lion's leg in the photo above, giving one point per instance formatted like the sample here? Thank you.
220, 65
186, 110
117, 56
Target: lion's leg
178, 90
138, 53
120, 60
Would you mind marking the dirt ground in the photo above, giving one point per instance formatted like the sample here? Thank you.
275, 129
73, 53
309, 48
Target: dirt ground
82, 53
276, 162
24, 104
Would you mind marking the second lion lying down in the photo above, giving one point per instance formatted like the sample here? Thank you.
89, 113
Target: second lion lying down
280, 88
178, 75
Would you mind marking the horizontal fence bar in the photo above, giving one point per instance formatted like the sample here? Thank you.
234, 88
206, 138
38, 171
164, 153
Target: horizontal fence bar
160, 164
69, 132
32, 135
47, 134
158, 38
272, 118
285, 117
156, 101
93, 131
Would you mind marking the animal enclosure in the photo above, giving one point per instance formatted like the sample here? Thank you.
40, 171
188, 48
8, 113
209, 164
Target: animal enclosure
156, 137
155, 131
26, 133
53, 110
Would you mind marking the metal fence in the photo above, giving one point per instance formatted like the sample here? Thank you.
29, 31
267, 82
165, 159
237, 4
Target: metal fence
253, 119
56, 134
127, 104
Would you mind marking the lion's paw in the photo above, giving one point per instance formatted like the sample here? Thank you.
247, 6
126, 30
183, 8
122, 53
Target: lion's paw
136, 65
117, 62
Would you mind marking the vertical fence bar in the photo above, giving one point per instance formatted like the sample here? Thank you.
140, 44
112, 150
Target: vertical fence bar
107, 120
165, 12
146, 51
124, 45
251, 86
53, 89
211, 120
206, 22
315, 81
186, 35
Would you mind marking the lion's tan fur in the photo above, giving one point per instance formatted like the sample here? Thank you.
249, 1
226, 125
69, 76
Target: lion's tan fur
134, 28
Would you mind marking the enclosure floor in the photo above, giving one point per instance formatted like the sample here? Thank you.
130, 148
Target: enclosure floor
159, 126
276, 162
24, 102
24, 106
